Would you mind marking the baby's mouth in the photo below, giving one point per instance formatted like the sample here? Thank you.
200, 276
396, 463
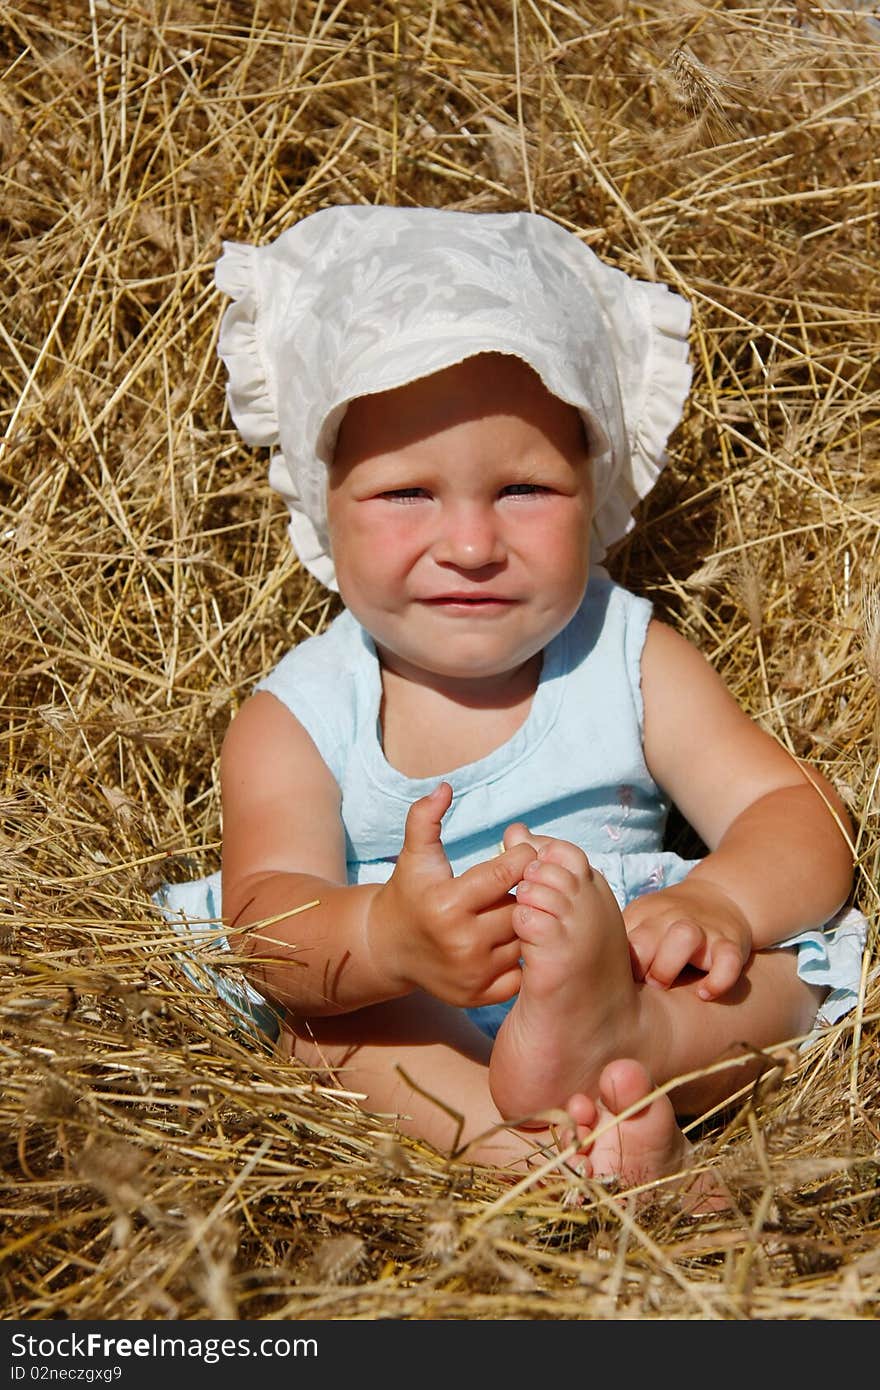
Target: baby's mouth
468, 601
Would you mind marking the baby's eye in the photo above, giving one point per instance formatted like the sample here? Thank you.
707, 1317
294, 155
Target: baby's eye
404, 494
523, 490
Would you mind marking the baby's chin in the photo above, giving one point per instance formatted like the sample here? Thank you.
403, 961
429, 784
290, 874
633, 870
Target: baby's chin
479, 674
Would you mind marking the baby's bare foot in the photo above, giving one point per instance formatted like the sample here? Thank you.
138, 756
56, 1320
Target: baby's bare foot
644, 1146
578, 1007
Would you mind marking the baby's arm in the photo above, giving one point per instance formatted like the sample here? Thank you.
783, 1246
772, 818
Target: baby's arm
780, 856
284, 848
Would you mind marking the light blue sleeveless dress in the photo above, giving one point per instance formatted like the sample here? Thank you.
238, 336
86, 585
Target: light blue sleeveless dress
575, 770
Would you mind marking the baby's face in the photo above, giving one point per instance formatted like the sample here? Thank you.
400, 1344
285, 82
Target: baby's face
459, 510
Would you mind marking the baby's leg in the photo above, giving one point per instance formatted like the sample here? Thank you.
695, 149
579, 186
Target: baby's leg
767, 1006
644, 1145
376, 1052
580, 1008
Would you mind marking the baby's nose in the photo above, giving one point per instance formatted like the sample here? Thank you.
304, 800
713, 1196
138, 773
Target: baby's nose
469, 538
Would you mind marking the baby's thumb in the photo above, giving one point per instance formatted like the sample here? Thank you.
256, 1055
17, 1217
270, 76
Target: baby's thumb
424, 817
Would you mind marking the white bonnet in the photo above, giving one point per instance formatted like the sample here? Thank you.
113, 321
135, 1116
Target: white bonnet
355, 300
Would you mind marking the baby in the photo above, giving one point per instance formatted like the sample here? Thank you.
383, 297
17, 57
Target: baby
443, 818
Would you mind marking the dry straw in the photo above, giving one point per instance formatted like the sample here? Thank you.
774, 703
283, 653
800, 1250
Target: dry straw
155, 1160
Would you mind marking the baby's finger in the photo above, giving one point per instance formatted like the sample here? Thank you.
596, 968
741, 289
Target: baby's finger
422, 829
495, 928
682, 941
500, 962
502, 988
727, 965
642, 950
487, 883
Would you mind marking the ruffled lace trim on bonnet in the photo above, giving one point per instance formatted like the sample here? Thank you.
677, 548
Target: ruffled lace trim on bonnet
654, 407
252, 393
353, 300
251, 390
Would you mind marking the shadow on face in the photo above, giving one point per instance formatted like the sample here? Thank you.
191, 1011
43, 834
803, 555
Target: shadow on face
489, 385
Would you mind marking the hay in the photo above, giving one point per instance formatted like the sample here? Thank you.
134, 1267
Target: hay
155, 1161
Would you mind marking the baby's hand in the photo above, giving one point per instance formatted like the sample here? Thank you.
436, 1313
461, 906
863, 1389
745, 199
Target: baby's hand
693, 923
450, 936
